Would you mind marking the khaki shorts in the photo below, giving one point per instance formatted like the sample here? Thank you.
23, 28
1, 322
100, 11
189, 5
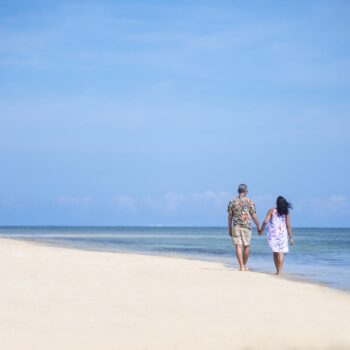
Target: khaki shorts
241, 235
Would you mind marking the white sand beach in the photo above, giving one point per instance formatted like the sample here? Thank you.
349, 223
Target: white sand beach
57, 298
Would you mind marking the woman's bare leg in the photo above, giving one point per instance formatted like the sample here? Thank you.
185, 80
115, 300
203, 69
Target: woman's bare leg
275, 260
280, 261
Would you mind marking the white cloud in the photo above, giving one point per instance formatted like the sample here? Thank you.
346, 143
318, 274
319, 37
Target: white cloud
216, 199
264, 199
125, 202
172, 202
337, 203
215, 202
338, 199
5, 203
74, 201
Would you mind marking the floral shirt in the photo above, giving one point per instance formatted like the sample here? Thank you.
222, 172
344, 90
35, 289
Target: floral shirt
240, 208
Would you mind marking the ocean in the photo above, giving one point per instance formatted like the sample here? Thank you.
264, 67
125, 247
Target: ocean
320, 255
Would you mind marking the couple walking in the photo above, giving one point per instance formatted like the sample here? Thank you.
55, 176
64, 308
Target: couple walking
241, 209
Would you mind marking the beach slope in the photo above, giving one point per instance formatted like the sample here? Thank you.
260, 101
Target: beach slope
57, 298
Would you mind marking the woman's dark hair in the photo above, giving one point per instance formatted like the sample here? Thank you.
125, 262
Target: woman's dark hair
283, 206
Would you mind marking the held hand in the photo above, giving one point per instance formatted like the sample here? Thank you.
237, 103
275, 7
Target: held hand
260, 232
291, 241
230, 232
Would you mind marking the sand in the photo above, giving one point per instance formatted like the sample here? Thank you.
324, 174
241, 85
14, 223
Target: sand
57, 298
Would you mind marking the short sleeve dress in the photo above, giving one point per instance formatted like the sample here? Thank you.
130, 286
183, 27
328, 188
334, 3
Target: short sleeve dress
277, 234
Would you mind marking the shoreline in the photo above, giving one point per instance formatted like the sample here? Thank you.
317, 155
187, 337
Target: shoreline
286, 276
59, 298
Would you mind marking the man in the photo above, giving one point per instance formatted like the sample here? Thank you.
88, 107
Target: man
239, 225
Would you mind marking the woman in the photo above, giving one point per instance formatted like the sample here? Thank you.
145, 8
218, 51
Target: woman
279, 225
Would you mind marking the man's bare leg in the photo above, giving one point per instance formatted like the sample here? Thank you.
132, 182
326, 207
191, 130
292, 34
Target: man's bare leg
240, 257
245, 256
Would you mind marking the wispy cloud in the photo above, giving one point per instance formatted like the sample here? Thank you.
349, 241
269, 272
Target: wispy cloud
102, 36
5, 203
74, 201
172, 202
337, 204
126, 202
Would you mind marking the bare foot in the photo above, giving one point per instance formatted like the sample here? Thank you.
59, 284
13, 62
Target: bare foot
278, 273
246, 268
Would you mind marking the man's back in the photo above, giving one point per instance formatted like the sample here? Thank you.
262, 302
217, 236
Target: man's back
240, 208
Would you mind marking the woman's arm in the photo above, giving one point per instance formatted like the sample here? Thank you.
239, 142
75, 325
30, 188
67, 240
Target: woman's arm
289, 229
268, 216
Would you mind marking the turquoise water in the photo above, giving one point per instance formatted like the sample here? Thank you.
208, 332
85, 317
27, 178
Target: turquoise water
320, 255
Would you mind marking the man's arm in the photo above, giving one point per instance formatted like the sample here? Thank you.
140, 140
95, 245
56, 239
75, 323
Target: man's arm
230, 223
256, 221
252, 212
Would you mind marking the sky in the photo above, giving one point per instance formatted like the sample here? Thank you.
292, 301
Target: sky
153, 112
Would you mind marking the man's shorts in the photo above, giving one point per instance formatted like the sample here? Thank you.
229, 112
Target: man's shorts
241, 235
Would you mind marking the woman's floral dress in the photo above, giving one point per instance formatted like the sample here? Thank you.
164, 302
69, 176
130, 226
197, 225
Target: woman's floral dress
277, 234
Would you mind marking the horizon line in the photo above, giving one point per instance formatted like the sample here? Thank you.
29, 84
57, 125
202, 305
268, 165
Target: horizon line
156, 226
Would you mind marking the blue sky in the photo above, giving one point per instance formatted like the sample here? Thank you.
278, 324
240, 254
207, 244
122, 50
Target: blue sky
152, 112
